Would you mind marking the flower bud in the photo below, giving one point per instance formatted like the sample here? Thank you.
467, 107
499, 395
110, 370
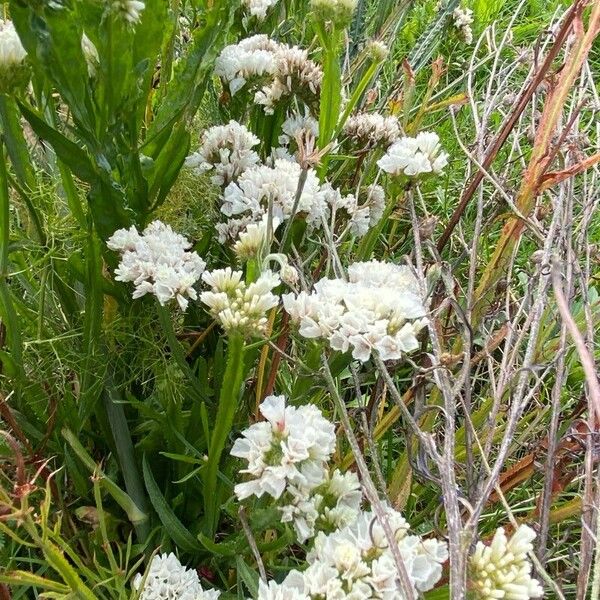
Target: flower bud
338, 12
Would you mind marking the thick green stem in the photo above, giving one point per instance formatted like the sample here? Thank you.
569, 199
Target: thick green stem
228, 402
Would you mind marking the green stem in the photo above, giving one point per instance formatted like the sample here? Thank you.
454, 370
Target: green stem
16, 145
228, 401
356, 96
7, 309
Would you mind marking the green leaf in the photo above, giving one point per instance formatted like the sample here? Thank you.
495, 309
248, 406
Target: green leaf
431, 38
134, 514
69, 152
173, 527
248, 576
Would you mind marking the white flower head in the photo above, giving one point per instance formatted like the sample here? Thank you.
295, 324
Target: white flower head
355, 563
378, 309
168, 579
463, 19
227, 150
252, 240
239, 306
13, 68
12, 52
502, 569
414, 156
368, 130
263, 186
158, 261
251, 58
259, 8
333, 504
290, 448
129, 10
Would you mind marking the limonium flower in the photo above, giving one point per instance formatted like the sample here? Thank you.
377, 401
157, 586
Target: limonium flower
502, 569
168, 579
355, 563
227, 151
276, 71
414, 156
377, 309
463, 18
251, 58
333, 504
261, 186
252, 240
129, 10
239, 306
297, 125
339, 12
259, 8
290, 447
157, 261
295, 74
368, 130
13, 71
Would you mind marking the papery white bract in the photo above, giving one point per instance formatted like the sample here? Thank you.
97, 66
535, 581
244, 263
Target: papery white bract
12, 52
129, 10
277, 70
414, 156
239, 306
378, 308
259, 8
333, 504
368, 130
14, 71
157, 261
168, 579
355, 563
227, 150
261, 186
502, 569
250, 58
463, 19
253, 238
291, 447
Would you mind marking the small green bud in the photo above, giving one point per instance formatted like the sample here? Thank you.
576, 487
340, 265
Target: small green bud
338, 12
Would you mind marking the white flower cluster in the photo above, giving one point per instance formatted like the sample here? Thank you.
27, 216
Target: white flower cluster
129, 10
502, 569
259, 8
239, 306
333, 504
278, 70
158, 262
463, 19
378, 308
368, 130
227, 149
251, 58
359, 217
297, 125
355, 563
14, 71
294, 73
12, 53
414, 156
168, 579
263, 186
291, 447
253, 239
339, 12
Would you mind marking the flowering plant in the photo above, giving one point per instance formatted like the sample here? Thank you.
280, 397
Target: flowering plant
292, 309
